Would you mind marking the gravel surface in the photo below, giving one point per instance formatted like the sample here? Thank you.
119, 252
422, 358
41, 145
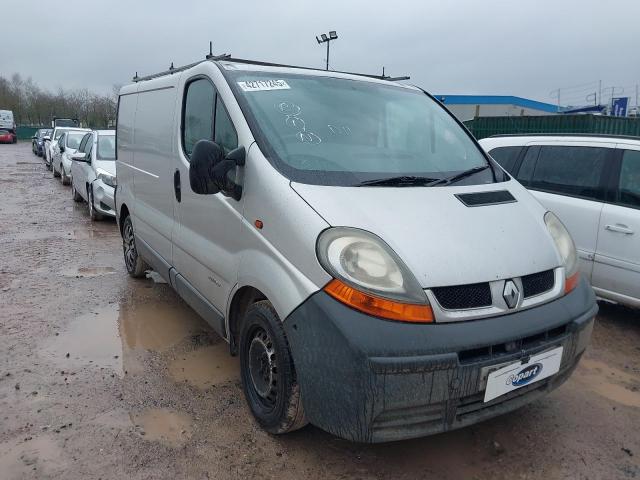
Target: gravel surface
103, 376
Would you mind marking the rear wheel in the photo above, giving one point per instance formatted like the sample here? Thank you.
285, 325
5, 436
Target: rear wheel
268, 373
135, 265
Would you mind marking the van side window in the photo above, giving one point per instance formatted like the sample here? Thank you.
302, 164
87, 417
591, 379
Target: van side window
506, 156
629, 184
197, 116
575, 171
225, 133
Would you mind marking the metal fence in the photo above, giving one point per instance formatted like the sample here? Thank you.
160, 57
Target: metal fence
25, 133
482, 127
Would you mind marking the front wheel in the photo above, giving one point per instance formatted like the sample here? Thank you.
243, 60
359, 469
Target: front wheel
93, 213
74, 193
56, 174
268, 372
136, 267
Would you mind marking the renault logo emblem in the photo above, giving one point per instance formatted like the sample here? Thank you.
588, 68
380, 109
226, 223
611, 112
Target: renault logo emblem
511, 294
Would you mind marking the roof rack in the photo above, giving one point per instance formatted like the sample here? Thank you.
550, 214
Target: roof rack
546, 134
228, 57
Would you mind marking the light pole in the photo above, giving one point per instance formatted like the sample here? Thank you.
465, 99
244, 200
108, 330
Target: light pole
327, 39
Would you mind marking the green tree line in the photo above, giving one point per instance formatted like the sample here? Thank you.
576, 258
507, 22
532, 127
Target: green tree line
34, 106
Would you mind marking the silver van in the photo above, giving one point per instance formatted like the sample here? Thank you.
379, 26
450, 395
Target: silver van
377, 273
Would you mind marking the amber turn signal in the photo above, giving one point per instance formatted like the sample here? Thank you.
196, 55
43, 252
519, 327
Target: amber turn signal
379, 307
571, 282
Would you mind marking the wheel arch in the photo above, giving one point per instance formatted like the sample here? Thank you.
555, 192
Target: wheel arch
242, 299
124, 213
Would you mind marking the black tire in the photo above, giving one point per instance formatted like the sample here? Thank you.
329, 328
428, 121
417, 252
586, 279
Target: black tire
63, 176
268, 373
55, 172
94, 215
74, 193
136, 266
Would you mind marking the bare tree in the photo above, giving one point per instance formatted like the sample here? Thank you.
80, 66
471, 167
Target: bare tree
34, 106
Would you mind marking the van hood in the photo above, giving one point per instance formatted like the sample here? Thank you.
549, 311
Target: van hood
441, 240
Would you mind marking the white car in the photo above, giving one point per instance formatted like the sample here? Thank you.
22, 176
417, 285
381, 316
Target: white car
93, 173
51, 147
67, 145
593, 184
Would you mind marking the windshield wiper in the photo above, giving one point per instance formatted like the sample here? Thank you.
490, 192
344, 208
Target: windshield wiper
458, 176
399, 181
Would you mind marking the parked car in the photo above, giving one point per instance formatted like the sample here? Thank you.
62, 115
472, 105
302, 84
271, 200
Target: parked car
7, 136
7, 122
52, 148
37, 141
67, 145
593, 184
377, 273
93, 173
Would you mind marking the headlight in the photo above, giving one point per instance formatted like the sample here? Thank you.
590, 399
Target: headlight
369, 276
566, 249
106, 177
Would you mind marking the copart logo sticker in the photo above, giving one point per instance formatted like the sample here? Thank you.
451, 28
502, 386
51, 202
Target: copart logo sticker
262, 85
524, 376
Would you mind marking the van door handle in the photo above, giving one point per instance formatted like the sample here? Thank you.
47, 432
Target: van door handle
176, 185
620, 228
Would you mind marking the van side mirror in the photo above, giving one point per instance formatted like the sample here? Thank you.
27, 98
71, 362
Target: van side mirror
79, 157
210, 171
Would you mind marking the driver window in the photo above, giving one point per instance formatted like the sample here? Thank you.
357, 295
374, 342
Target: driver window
197, 115
83, 143
225, 133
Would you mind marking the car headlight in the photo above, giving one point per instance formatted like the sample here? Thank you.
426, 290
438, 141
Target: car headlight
566, 248
369, 276
106, 177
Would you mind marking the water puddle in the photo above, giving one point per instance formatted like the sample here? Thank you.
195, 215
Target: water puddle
88, 272
164, 426
91, 338
206, 366
609, 382
109, 337
20, 460
155, 326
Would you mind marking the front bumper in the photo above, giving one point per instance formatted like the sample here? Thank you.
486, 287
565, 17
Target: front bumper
371, 380
103, 198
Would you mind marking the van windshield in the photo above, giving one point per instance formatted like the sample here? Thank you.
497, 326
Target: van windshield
335, 131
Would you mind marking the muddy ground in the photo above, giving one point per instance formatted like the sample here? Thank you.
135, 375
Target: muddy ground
103, 376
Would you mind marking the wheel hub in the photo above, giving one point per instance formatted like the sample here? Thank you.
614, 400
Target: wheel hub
262, 367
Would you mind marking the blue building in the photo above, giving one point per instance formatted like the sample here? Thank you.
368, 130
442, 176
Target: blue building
466, 107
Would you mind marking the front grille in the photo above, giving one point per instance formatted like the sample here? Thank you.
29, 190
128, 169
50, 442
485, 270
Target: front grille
537, 283
475, 295
491, 352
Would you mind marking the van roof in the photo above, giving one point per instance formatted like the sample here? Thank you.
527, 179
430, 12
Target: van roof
227, 62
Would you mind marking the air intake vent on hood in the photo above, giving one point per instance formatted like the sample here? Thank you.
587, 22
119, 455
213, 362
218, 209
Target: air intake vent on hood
478, 199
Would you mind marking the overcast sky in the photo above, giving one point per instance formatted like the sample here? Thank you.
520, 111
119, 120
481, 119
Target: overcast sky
526, 48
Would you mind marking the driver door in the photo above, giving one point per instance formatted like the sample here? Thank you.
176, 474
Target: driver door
79, 170
207, 226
